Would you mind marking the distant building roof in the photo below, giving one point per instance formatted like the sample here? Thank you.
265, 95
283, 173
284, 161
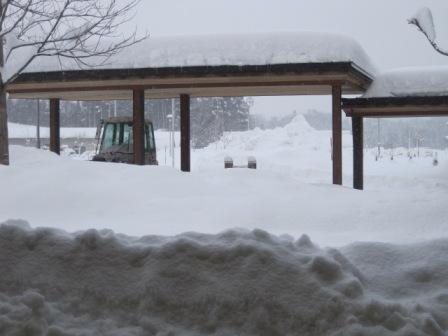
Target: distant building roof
410, 82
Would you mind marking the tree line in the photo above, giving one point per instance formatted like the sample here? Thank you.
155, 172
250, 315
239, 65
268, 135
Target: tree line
210, 117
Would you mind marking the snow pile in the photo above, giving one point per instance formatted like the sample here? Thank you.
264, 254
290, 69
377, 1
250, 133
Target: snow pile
233, 283
242, 49
416, 81
297, 146
296, 133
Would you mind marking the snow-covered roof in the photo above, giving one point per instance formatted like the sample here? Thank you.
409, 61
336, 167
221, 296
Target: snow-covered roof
410, 82
218, 50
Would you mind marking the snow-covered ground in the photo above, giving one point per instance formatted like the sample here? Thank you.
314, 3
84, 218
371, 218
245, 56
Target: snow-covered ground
387, 276
290, 192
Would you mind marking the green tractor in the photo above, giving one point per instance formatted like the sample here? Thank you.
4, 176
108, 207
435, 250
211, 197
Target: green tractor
114, 138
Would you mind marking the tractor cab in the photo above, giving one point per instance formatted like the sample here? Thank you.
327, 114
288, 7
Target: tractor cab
114, 137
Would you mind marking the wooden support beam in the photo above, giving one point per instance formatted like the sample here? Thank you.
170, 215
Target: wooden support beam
337, 134
185, 164
55, 126
358, 152
138, 108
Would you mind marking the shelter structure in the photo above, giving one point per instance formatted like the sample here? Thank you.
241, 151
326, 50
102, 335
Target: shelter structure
410, 92
216, 66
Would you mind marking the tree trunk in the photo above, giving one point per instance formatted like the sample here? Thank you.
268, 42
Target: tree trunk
4, 145
4, 148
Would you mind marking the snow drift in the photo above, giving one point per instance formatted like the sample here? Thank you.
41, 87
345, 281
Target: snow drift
233, 283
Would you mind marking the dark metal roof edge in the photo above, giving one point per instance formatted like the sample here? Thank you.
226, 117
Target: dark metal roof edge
394, 101
364, 73
223, 70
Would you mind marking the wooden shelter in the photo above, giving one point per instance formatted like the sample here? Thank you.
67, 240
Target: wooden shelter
327, 78
386, 107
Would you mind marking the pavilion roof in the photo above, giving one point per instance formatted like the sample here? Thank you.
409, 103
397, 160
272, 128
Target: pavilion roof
405, 92
226, 65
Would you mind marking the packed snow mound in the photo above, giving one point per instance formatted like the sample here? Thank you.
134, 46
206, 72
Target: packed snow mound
275, 148
413, 81
241, 49
234, 283
297, 133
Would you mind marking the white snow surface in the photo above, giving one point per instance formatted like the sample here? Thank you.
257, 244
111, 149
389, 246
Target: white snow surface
290, 192
241, 49
234, 283
190, 254
412, 81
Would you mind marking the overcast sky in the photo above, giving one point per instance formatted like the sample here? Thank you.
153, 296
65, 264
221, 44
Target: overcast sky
380, 26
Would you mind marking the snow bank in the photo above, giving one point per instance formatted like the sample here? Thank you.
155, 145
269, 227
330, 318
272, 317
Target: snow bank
242, 49
233, 283
417, 81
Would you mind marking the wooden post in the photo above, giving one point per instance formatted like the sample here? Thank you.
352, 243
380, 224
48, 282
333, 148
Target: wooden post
185, 164
358, 152
337, 134
4, 140
55, 126
138, 126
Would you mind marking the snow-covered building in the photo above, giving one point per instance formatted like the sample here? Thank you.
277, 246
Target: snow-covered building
275, 64
407, 92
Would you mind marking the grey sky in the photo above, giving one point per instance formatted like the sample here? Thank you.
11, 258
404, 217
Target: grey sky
380, 26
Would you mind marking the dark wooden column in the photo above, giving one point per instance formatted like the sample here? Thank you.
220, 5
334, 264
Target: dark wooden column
337, 134
55, 126
185, 163
138, 108
358, 152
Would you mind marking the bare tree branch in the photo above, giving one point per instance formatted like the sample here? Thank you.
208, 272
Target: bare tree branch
84, 31
427, 28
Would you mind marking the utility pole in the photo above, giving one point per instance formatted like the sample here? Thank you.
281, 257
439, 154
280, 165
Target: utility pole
38, 124
173, 120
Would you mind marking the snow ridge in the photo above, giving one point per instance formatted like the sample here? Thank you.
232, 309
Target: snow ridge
234, 283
